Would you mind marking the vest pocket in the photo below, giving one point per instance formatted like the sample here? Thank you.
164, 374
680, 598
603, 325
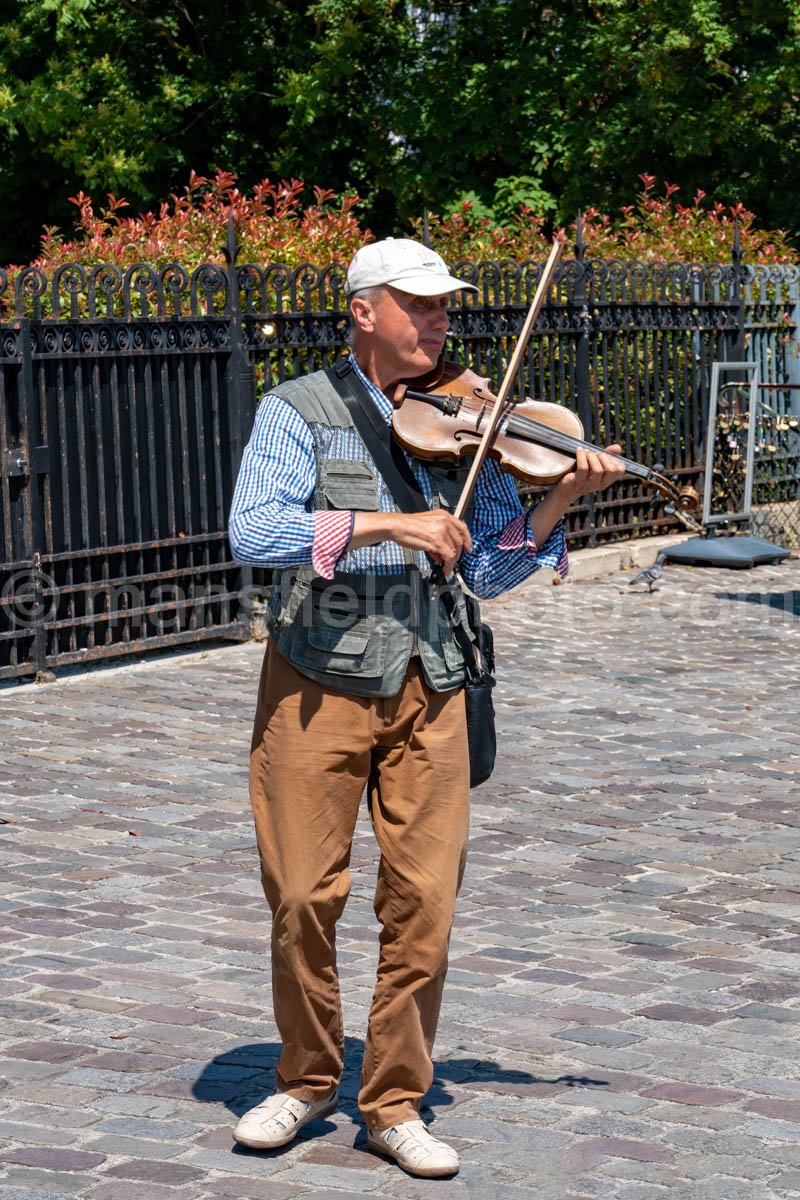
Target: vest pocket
350, 484
453, 655
360, 650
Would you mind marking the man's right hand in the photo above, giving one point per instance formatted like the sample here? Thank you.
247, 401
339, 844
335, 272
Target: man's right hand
437, 532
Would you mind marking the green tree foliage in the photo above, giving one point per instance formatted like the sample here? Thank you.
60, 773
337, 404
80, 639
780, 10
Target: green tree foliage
560, 103
549, 103
128, 96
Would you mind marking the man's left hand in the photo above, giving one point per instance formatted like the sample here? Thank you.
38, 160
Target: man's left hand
593, 472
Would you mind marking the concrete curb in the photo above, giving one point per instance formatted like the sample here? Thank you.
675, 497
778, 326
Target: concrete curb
596, 561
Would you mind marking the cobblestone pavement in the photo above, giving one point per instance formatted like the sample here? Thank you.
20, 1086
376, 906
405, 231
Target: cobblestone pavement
621, 1017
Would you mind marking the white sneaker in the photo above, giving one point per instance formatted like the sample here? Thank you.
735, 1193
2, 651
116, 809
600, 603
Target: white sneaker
278, 1119
410, 1145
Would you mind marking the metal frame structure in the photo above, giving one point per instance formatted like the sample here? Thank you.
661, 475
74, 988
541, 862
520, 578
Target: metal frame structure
752, 386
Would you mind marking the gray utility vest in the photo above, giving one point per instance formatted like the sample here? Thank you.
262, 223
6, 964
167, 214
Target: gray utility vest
357, 632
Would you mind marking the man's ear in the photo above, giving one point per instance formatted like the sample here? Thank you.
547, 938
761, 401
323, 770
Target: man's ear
363, 313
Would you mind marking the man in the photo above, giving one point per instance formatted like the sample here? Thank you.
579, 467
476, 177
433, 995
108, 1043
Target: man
355, 693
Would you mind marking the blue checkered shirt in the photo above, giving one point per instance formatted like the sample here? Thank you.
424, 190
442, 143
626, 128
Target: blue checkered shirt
273, 525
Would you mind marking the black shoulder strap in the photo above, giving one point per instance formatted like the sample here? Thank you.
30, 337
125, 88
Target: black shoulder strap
377, 437
399, 479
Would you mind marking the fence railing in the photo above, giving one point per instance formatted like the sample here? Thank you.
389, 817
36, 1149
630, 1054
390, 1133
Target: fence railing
126, 399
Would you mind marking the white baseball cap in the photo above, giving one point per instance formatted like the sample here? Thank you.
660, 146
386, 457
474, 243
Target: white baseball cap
402, 264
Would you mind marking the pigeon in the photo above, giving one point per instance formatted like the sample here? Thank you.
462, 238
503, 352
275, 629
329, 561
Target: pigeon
649, 575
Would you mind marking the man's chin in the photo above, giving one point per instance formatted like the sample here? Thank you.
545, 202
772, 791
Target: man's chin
427, 375
427, 361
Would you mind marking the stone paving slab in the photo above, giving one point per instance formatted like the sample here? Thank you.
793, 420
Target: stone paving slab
621, 1015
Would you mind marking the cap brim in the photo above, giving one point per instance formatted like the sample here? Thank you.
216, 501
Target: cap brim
430, 285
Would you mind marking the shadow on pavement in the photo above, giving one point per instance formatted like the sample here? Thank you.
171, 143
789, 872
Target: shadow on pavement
243, 1077
788, 601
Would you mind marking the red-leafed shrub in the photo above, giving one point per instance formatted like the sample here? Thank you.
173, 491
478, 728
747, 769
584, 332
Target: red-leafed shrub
271, 225
653, 228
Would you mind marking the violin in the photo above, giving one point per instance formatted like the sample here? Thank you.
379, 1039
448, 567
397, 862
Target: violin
445, 415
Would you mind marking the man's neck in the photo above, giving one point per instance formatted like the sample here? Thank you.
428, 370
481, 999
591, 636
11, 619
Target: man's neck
384, 381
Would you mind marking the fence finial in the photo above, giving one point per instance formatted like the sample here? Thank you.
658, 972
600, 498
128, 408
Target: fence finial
580, 245
230, 249
736, 251
737, 256
426, 233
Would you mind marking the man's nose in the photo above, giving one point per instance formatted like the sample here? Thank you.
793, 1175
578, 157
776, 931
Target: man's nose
441, 320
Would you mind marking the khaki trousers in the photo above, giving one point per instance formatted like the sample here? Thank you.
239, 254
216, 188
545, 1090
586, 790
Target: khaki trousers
313, 753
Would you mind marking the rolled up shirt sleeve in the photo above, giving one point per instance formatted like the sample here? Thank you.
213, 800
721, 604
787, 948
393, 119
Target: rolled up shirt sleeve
332, 532
504, 552
270, 525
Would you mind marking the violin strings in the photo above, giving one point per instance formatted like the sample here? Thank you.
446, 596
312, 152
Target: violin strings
563, 441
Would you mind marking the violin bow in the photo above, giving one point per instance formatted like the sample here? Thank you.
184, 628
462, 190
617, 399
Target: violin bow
501, 406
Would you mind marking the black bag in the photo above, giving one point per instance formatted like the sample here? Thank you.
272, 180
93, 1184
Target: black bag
402, 484
481, 734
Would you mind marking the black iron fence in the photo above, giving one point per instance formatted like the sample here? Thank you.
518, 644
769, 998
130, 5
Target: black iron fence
126, 400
